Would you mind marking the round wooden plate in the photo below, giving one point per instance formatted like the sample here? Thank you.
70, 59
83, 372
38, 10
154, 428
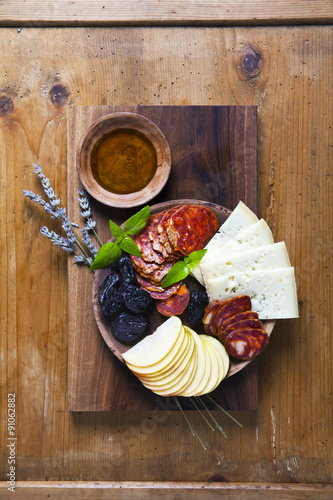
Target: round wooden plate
104, 326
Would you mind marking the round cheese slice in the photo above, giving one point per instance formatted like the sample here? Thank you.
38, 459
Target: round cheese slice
175, 367
190, 389
155, 347
221, 350
174, 377
173, 388
215, 372
166, 362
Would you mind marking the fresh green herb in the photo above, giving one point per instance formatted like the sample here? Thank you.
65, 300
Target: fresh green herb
182, 268
111, 252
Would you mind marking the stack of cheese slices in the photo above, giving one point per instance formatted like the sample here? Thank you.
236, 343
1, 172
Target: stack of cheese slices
242, 259
176, 361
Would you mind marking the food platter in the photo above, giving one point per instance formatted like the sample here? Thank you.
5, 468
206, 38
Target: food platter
104, 326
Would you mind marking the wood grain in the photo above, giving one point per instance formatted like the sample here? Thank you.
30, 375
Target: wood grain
287, 73
164, 12
169, 490
213, 151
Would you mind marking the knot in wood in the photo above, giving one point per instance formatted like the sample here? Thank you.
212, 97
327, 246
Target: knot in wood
252, 62
6, 105
59, 95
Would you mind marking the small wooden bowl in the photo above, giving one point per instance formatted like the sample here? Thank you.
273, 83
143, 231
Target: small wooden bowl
102, 128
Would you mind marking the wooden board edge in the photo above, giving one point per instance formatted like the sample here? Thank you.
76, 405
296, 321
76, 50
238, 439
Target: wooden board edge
164, 12
62, 486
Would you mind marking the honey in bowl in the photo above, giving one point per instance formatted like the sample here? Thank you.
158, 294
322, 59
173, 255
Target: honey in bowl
123, 161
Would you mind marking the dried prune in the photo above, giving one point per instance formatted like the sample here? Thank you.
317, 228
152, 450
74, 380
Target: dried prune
126, 269
136, 299
111, 281
196, 306
110, 297
129, 327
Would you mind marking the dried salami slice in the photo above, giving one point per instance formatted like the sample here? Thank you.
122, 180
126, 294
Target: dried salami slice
144, 243
163, 224
246, 344
224, 331
143, 267
231, 307
208, 318
158, 275
156, 291
191, 227
176, 304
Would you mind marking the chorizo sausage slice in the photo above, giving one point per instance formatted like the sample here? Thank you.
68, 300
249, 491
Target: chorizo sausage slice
224, 331
208, 318
246, 344
176, 304
191, 227
144, 243
156, 291
163, 224
231, 307
240, 317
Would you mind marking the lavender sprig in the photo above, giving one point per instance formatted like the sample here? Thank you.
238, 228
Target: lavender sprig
87, 241
84, 203
72, 240
63, 243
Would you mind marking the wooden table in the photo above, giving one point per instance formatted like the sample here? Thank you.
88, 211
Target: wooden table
276, 56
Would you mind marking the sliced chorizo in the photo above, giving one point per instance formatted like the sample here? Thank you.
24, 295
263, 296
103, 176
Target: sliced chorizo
231, 307
240, 317
208, 318
163, 224
224, 331
191, 228
144, 243
176, 304
246, 344
157, 291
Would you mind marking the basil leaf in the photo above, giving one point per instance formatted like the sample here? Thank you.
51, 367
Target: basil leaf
128, 245
178, 272
138, 221
195, 258
116, 231
107, 255
182, 268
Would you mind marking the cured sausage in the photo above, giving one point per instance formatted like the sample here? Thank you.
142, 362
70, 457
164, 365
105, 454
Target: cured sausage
224, 331
156, 291
208, 318
231, 307
190, 228
164, 222
176, 304
144, 243
246, 344
240, 317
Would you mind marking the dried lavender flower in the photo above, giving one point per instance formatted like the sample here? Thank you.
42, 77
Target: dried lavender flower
89, 244
72, 240
63, 243
84, 203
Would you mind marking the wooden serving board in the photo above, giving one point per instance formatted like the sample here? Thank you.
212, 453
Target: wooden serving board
214, 158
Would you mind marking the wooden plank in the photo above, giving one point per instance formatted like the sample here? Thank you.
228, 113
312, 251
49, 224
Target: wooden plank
164, 12
213, 152
34, 490
289, 438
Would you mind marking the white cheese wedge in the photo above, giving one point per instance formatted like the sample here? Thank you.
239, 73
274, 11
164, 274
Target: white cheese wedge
240, 218
273, 292
267, 257
257, 235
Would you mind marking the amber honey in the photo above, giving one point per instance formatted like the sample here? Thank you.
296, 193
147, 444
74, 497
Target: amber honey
123, 161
